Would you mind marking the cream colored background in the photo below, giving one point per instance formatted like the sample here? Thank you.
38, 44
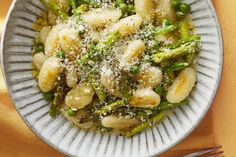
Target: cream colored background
218, 128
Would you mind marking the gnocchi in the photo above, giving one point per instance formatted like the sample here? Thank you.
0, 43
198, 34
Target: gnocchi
149, 76
80, 96
145, 98
43, 34
48, 74
134, 49
71, 76
165, 10
101, 17
69, 41
38, 60
108, 81
145, 8
119, 123
182, 86
127, 26
52, 41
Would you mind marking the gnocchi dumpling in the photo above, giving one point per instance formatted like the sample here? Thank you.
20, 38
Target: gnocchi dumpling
182, 86
108, 82
48, 74
145, 8
38, 60
120, 123
101, 17
149, 76
43, 34
71, 76
127, 26
52, 41
134, 49
145, 98
80, 96
166, 10
69, 41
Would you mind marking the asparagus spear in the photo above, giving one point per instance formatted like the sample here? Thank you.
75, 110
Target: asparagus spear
159, 90
168, 106
145, 125
184, 49
166, 29
184, 30
161, 110
177, 66
98, 87
192, 38
73, 4
55, 8
59, 97
107, 109
110, 39
185, 36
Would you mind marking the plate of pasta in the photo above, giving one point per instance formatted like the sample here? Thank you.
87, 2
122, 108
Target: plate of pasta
112, 77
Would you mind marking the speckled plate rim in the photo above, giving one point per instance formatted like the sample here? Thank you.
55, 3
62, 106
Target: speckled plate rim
221, 53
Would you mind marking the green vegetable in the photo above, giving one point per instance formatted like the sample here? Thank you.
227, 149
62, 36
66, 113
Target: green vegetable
171, 75
184, 49
159, 90
120, 1
53, 6
123, 7
82, 8
131, 9
166, 23
185, 8
164, 106
37, 41
71, 112
134, 69
184, 30
177, 66
59, 96
60, 54
167, 81
190, 57
100, 93
139, 128
176, 4
39, 48
111, 107
98, 87
166, 29
110, 39
48, 96
192, 38
94, 3
73, 4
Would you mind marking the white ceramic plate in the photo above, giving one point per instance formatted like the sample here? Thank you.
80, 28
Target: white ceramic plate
59, 133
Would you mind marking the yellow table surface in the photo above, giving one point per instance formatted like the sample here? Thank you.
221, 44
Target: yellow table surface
218, 127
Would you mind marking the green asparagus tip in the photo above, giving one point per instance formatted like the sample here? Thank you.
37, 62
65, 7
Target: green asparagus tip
183, 49
139, 128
